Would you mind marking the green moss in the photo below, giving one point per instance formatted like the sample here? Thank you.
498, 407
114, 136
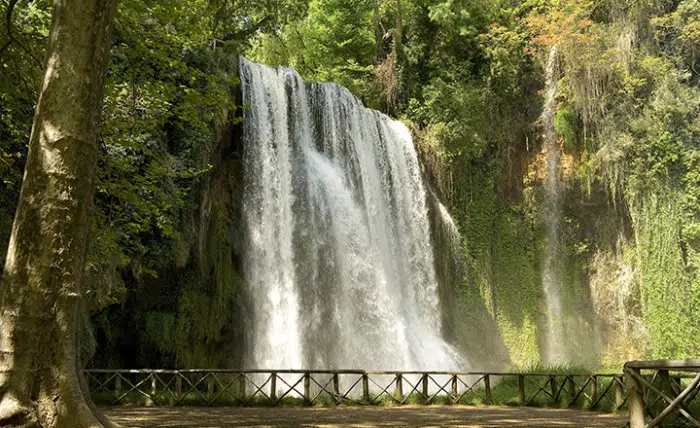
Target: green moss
669, 289
502, 247
568, 126
521, 340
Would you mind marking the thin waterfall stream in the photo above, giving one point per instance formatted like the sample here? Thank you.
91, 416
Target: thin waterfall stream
555, 352
338, 256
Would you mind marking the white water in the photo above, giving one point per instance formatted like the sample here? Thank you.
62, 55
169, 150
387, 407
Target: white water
452, 231
551, 275
338, 256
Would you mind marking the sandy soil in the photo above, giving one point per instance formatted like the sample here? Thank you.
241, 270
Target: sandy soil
328, 417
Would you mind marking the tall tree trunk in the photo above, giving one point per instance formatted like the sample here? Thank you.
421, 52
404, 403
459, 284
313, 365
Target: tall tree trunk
41, 288
398, 33
378, 36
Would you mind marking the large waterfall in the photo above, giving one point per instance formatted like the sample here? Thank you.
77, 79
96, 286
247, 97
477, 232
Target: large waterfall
338, 256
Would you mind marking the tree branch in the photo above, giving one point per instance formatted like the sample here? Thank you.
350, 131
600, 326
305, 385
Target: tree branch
8, 20
12, 38
6, 162
246, 32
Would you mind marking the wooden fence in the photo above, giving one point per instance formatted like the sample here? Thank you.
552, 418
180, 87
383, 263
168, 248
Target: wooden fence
663, 392
335, 387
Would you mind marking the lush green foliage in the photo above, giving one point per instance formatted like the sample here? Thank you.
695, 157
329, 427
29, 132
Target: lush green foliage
467, 76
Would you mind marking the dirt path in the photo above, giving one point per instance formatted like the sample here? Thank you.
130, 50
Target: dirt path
361, 417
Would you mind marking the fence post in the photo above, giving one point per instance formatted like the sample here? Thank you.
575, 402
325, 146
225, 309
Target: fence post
618, 393
178, 386
210, 388
668, 388
336, 388
399, 387
635, 398
365, 388
307, 388
273, 387
454, 389
487, 389
425, 399
666, 383
572, 391
117, 385
553, 387
521, 389
241, 387
594, 389
149, 398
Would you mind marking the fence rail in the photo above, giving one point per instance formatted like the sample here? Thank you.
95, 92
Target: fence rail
663, 392
358, 387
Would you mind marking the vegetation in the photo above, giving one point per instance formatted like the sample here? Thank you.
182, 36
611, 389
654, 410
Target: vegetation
163, 281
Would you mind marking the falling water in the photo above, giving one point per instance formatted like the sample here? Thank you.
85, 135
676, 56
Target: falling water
551, 277
451, 242
338, 256
449, 224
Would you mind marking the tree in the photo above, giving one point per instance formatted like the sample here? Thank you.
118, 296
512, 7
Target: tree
40, 290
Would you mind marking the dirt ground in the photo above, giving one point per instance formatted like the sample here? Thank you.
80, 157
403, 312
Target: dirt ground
361, 417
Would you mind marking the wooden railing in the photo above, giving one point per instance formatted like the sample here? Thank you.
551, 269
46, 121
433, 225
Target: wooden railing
334, 387
662, 392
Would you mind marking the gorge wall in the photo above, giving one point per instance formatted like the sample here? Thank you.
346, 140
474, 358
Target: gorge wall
335, 225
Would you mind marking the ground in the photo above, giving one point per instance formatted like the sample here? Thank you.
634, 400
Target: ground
361, 417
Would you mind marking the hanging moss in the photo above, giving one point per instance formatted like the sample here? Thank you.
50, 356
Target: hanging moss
567, 125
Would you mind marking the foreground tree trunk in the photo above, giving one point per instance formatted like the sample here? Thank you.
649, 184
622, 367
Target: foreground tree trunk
40, 288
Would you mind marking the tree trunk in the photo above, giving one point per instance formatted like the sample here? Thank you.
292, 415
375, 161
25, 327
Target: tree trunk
398, 33
40, 291
378, 36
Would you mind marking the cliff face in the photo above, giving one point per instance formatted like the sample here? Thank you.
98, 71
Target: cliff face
498, 205
184, 301
188, 311
466, 322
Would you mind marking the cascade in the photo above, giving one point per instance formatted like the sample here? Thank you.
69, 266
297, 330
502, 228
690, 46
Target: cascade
338, 257
555, 352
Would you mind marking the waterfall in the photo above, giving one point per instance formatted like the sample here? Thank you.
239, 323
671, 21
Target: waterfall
555, 352
338, 257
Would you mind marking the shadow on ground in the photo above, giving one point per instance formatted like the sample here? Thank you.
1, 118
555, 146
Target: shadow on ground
361, 417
